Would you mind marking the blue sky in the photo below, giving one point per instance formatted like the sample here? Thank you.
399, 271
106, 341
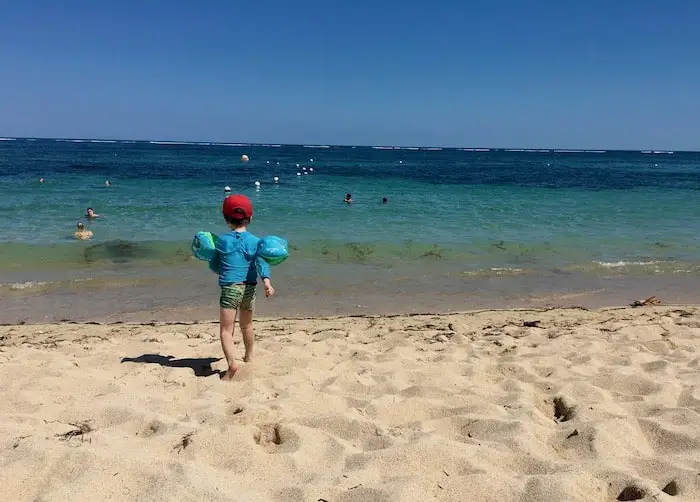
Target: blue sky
595, 74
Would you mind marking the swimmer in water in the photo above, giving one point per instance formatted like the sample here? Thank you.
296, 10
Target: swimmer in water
91, 214
82, 234
41, 180
348, 199
108, 183
385, 200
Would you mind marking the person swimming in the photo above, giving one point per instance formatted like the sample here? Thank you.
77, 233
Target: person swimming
385, 200
82, 233
348, 199
91, 214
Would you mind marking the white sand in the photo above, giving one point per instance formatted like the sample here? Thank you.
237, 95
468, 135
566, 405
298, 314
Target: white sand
408, 408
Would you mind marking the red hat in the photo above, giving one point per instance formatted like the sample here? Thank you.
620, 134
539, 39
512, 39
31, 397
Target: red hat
237, 207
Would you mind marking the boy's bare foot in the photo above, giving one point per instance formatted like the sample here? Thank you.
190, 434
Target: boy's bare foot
247, 358
228, 376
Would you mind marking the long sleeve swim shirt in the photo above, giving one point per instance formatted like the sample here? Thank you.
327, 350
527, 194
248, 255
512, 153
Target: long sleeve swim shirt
237, 259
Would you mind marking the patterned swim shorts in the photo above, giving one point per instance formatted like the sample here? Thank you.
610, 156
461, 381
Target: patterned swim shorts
237, 296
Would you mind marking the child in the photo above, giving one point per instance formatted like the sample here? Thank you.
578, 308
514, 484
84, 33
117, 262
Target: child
238, 266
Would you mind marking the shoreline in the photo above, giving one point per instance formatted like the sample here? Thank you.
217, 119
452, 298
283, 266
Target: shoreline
337, 317
151, 303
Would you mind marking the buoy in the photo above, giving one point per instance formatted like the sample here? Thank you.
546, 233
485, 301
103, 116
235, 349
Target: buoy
303, 168
311, 160
257, 183
268, 161
311, 169
276, 179
305, 172
244, 158
400, 161
227, 189
298, 174
297, 165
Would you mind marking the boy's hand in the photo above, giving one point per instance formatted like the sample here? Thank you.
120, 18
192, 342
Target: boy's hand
269, 290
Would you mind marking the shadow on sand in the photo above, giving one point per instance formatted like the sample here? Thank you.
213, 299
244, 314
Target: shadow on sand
201, 365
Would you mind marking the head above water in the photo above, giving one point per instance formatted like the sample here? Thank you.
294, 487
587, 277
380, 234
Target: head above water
90, 211
385, 200
81, 226
237, 210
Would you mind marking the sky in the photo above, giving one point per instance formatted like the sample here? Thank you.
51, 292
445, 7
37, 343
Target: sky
548, 74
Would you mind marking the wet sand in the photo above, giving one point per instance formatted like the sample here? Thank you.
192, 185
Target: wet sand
196, 298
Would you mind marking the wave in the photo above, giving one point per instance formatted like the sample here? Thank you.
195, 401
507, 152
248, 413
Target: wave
8, 139
495, 271
622, 263
171, 143
20, 286
102, 141
316, 146
476, 149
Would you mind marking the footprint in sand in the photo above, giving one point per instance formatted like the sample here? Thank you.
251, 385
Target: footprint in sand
275, 438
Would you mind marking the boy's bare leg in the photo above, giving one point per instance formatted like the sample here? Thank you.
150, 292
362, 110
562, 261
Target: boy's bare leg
246, 321
227, 321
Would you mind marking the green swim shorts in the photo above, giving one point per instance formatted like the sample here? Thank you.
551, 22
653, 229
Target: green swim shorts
237, 296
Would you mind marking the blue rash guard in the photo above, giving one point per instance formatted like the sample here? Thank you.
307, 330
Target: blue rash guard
237, 261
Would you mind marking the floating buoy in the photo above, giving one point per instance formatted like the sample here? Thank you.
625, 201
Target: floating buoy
311, 160
227, 188
257, 183
303, 169
298, 174
311, 169
276, 179
244, 158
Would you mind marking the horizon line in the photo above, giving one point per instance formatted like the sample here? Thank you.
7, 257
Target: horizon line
320, 145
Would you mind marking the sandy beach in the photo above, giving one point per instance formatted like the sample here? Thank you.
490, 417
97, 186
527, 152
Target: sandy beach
529, 405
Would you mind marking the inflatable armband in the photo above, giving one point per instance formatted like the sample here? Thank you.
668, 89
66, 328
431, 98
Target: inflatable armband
204, 246
273, 249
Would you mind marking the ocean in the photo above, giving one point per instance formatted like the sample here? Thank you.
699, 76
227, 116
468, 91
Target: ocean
462, 229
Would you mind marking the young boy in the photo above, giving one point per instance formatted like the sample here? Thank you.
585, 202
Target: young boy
238, 266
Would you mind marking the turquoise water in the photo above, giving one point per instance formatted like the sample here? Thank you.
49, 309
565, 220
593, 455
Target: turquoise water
451, 213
